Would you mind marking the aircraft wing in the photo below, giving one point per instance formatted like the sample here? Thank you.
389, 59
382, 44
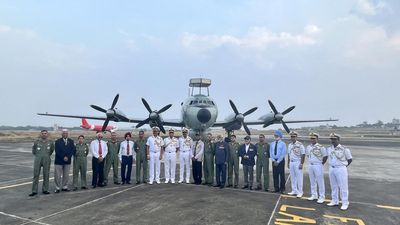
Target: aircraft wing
73, 116
261, 122
166, 122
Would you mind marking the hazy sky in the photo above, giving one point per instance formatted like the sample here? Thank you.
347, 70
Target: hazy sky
336, 58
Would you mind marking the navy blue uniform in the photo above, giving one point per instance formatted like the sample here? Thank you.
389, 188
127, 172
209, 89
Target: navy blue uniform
221, 159
63, 150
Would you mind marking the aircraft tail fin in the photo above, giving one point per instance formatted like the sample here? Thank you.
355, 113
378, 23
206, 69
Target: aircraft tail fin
85, 123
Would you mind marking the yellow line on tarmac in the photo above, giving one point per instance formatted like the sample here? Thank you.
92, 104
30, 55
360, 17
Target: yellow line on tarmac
388, 207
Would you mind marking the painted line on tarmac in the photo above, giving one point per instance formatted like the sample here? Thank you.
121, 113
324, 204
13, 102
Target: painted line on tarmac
3, 164
22, 218
88, 203
30, 182
388, 207
277, 203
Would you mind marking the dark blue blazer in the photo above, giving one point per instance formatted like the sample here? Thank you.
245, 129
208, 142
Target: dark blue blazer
221, 152
63, 150
252, 152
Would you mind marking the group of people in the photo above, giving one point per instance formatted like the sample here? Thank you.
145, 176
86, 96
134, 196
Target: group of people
317, 155
205, 156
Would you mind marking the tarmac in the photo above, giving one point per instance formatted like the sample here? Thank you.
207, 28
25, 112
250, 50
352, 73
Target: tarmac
374, 185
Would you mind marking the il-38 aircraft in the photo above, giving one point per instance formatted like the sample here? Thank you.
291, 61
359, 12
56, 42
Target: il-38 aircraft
199, 113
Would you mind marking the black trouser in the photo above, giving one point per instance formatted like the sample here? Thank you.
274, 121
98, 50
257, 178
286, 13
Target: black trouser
279, 176
126, 162
220, 174
197, 173
98, 172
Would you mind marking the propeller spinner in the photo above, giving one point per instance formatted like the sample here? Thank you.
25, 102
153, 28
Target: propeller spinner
154, 115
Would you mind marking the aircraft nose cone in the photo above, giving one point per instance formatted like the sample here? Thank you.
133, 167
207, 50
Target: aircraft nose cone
204, 115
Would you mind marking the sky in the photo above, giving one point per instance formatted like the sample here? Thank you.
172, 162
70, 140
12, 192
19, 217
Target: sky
331, 59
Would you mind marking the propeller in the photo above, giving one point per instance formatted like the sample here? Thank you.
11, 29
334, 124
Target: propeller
240, 116
110, 113
279, 116
154, 115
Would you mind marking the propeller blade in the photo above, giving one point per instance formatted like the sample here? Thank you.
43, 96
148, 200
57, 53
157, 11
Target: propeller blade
288, 110
142, 122
250, 111
164, 108
246, 129
146, 105
285, 126
98, 108
233, 107
161, 128
115, 101
272, 107
105, 125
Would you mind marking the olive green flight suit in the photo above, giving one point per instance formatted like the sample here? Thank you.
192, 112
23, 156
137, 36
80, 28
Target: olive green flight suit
80, 164
208, 165
112, 159
262, 165
141, 160
42, 150
233, 163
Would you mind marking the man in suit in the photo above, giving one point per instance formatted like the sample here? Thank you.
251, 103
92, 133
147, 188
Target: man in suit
99, 150
277, 152
64, 148
221, 161
247, 152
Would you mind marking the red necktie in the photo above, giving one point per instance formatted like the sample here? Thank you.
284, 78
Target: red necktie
100, 150
127, 150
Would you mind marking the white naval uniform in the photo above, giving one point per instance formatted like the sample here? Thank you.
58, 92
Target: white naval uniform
171, 145
155, 144
185, 145
315, 153
295, 152
338, 173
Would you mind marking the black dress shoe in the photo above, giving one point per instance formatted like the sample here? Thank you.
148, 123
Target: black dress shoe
84, 188
94, 186
137, 182
122, 183
235, 186
245, 187
117, 183
46, 192
57, 191
266, 190
128, 182
229, 185
32, 194
101, 185
75, 189
258, 188
65, 189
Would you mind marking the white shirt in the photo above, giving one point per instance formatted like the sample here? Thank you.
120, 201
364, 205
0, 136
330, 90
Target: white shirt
155, 143
199, 150
315, 153
185, 144
296, 150
171, 144
94, 148
123, 149
247, 147
338, 156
